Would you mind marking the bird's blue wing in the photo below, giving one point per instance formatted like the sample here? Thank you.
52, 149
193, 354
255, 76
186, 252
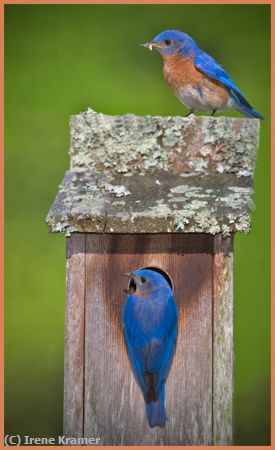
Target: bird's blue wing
155, 357
169, 347
163, 351
136, 360
206, 64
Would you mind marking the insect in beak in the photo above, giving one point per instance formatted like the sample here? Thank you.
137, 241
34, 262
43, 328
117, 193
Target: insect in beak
149, 45
128, 274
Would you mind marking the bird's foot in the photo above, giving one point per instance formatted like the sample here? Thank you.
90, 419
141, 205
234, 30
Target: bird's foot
192, 111
213, 112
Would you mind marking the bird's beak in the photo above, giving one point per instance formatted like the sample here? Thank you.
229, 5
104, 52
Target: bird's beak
128, 275
149, 45
131, 275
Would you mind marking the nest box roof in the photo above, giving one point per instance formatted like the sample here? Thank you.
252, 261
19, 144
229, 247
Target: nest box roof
150, 174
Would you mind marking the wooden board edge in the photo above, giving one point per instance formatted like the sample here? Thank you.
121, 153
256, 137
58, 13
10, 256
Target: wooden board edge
223, 356
74, 336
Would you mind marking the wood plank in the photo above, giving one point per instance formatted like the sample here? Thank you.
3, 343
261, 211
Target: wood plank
213, 203
174, 243
114, 407
223, 349
74, 336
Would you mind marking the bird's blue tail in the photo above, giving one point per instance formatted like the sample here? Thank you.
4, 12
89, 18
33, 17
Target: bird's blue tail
155, 411
248, 111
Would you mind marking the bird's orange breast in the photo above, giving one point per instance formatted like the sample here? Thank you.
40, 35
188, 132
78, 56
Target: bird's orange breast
180, 73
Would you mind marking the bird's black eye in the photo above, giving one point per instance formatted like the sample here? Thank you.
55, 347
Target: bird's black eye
167, 42
143, 279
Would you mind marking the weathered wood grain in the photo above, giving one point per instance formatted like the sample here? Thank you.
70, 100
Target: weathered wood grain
74, 336
223, 355
114, 408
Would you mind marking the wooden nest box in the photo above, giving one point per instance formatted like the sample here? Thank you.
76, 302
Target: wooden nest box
166, 193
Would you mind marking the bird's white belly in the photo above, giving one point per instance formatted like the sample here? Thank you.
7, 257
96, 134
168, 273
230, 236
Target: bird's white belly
203, 99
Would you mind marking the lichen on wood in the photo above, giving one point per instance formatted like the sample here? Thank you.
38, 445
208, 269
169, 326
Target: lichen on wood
143, 174
143, 144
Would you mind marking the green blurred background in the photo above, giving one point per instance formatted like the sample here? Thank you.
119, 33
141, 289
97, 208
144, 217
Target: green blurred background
60, 60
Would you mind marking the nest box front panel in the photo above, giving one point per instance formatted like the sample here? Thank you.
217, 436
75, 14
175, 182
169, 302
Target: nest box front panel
114, 408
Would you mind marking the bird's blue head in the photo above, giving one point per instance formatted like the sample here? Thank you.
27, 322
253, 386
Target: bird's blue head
173, 42
145, 282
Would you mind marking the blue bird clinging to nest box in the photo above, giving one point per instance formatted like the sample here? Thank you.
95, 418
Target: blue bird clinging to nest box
196, 78
150, 320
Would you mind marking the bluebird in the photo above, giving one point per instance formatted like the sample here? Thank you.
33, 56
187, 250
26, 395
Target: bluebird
196, 78
150, 321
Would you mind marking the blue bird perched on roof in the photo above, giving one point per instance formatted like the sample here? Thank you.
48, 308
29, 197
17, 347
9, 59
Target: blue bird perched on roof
150, 320
196, 78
